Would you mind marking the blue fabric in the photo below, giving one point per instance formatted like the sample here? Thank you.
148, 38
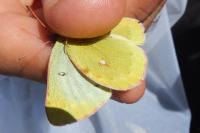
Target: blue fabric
163, 109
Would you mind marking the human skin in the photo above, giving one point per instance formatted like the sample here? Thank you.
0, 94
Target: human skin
25, 44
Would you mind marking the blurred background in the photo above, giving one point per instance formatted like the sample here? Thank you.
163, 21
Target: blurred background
186, 34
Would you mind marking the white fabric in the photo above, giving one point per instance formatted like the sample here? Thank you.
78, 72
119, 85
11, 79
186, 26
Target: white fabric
163, 109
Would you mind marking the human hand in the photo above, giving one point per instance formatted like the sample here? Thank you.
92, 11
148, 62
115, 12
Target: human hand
26, 44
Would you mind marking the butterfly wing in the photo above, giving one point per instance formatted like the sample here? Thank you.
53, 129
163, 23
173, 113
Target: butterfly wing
131, 29
113, 62
70, 97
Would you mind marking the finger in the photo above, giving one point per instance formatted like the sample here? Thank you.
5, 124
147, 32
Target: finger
24, 48
26, 2
144, 10
130, 96
83, 18
149, 20
12, 6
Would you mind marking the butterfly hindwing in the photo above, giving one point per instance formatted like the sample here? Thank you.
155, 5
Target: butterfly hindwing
70, 97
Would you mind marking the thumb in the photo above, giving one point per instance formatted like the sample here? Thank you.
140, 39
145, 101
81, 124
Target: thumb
83, 18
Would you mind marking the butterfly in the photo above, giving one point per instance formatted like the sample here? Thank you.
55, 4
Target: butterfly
83, 73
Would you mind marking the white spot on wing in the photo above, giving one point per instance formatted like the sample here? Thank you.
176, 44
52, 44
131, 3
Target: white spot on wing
102, 62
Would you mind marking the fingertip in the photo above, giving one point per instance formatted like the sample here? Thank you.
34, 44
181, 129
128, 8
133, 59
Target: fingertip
83, 19
130, 96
